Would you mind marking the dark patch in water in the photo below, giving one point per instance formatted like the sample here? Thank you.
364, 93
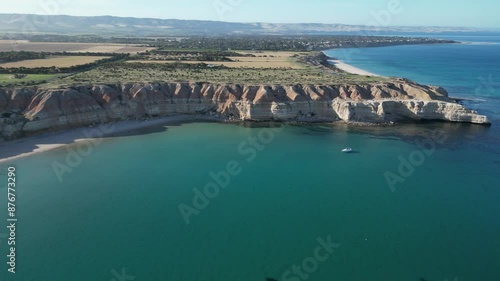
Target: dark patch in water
142, 131
158, 128
257, 125
384, 138
320, 129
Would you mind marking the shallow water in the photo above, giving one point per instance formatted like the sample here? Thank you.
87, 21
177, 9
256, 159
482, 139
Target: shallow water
119, 208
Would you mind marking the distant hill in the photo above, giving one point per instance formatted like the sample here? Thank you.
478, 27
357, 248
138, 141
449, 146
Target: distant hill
125, 26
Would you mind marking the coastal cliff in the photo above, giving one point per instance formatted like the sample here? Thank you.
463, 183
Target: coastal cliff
26, 111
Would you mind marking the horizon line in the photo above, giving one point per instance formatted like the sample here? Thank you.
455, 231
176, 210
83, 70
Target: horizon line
263, 22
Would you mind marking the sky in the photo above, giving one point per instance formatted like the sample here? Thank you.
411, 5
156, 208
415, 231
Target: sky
478, 13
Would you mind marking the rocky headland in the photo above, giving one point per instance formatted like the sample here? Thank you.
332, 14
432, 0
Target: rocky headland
28, 111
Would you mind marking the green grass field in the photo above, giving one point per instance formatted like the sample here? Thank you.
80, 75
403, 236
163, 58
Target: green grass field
9, 79
152, 72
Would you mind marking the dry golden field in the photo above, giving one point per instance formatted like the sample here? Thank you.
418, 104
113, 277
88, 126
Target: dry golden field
57, 61
11, 45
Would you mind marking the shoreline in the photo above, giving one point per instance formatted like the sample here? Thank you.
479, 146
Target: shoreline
341, 65
351, 69
36, 144
28, 146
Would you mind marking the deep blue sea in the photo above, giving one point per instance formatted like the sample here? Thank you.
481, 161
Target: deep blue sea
413, 203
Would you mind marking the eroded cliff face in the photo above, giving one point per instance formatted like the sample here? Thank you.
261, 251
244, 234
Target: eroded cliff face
31, 110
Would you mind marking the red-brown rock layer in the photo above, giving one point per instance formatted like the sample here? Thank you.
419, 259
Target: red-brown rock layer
31, 110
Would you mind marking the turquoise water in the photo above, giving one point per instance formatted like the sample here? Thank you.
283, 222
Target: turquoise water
119, 208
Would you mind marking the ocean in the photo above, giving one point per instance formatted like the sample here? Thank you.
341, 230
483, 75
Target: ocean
204, 201
469, 70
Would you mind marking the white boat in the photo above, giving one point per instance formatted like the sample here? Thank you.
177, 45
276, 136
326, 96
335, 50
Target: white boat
347, 150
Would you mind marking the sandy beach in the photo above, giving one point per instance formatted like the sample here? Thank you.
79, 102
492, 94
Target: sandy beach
24, 147
351, 69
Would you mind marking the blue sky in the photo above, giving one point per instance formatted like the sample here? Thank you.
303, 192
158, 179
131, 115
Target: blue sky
478, 13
